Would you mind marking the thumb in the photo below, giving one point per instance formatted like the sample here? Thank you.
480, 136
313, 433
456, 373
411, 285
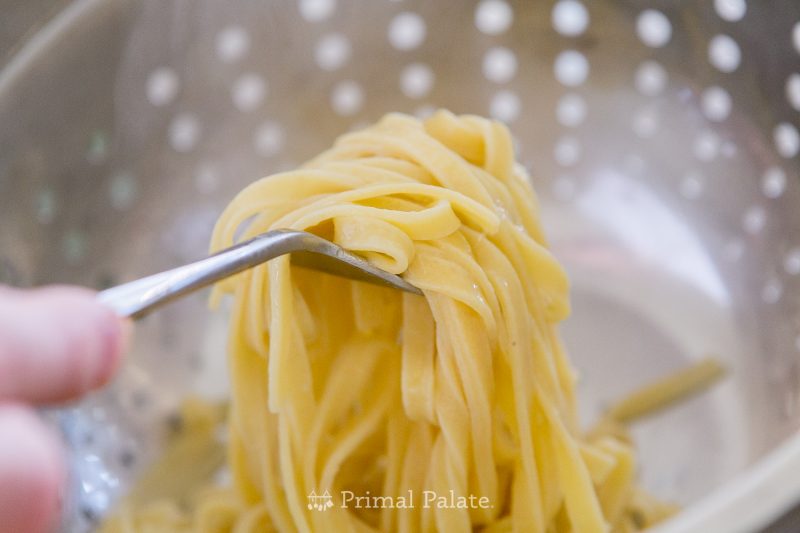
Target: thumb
56, 344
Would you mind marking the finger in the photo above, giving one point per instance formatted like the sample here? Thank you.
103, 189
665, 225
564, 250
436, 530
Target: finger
32, 472
56, 344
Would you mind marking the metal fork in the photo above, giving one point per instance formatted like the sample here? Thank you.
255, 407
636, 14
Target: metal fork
140, 297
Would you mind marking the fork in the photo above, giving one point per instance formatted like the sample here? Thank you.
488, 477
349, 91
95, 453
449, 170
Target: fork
138, 298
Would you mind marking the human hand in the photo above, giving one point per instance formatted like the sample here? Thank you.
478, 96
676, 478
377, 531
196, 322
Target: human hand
56, 344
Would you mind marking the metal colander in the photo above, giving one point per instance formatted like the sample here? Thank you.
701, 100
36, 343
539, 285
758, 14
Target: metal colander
661, 135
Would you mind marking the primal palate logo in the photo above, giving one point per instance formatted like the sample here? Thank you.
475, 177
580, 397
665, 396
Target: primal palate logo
429, 500
321, 502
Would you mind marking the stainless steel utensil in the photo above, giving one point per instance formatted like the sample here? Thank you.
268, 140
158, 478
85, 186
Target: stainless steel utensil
137, 298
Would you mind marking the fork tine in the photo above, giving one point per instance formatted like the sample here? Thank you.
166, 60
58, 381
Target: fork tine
137, 298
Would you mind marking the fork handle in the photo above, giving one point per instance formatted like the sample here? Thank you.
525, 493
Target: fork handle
137, 298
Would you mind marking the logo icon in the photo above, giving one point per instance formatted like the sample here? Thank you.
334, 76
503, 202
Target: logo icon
321, 502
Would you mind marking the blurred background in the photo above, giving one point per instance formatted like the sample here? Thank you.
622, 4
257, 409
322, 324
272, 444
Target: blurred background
661, 136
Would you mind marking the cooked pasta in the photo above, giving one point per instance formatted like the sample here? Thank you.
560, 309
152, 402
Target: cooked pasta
360, 408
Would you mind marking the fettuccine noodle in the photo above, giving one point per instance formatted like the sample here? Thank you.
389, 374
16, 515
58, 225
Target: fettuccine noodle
345, 389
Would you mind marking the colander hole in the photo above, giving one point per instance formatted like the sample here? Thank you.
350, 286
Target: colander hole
269, 138
97, 152
232, 44
347, 98
634, 163
248, 92
691, 186
706, 146
499, 65
74, 246
754, 219
787, 140
123, 190
645, 122
734, 250
206, 179
716, 103
650, 78
730, 10
571, 110
89, 514
564, 188
773, 182
332, 51
87, 439
162, 86
791, 263
729, 149
570, 18
724, 53
316, 10
772, 291
493, 17
46, 206
567, 151
571, 68
505, 106
407, 31
653, 28
184, 132
416, 80
793, 90
127, 459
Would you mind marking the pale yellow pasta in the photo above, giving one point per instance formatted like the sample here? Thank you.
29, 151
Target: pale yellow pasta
341, 387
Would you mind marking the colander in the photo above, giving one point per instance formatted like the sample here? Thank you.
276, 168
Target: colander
661, 136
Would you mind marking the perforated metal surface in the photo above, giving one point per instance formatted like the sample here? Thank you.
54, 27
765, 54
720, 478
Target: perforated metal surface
661, 135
